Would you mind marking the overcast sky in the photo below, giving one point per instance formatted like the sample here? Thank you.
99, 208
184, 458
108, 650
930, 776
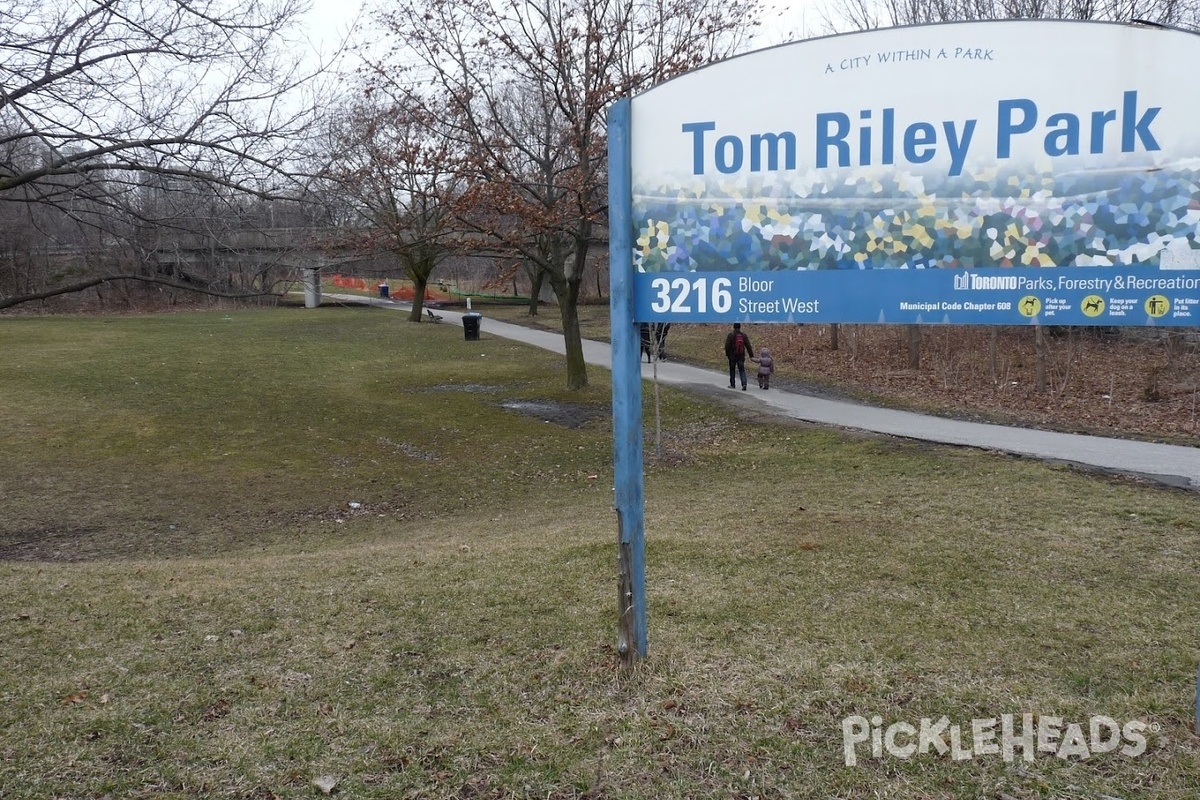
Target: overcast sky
783, 21
329, 20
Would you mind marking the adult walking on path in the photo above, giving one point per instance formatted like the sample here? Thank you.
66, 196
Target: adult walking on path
737, 350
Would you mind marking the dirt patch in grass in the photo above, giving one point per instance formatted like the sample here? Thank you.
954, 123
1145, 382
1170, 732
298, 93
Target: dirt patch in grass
570, 415
48, 544
470, 388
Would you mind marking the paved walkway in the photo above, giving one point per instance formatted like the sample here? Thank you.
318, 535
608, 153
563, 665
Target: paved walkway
1170, 464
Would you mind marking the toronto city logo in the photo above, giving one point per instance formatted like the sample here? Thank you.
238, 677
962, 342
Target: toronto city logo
1003, 736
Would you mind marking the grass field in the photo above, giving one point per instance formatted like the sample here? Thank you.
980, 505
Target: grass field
258, 554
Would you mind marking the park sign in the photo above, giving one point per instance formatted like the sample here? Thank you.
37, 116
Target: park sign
1003, 172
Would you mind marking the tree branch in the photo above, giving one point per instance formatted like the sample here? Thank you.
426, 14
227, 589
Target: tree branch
70, 288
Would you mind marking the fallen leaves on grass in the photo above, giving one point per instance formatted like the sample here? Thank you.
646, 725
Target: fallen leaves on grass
216, 711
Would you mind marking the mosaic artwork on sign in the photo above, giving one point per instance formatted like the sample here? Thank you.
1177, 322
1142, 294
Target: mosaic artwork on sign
864, 220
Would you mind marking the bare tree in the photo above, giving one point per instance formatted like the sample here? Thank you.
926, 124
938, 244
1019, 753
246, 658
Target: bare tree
96, 96
400, 181
527, 85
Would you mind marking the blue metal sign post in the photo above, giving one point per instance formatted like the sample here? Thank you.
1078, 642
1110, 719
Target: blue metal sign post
627, 397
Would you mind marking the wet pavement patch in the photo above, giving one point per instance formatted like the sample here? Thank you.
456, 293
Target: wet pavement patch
569, 415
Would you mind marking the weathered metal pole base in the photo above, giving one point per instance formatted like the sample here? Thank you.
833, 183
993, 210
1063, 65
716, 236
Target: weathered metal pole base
626, 614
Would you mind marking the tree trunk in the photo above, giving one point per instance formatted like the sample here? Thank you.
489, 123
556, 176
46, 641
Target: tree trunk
568, 299
576, 367
535, 290
420, 281
833, 336
419, 263
914, 346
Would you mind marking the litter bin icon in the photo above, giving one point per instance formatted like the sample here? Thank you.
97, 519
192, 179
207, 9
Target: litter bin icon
383, 291
471, 322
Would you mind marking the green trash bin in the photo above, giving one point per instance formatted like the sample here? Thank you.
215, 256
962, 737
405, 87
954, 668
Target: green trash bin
471, 322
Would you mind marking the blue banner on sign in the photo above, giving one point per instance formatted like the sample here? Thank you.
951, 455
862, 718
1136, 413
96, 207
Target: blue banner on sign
1000, 296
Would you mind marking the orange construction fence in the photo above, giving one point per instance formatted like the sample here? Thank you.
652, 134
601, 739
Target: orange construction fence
404, 291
